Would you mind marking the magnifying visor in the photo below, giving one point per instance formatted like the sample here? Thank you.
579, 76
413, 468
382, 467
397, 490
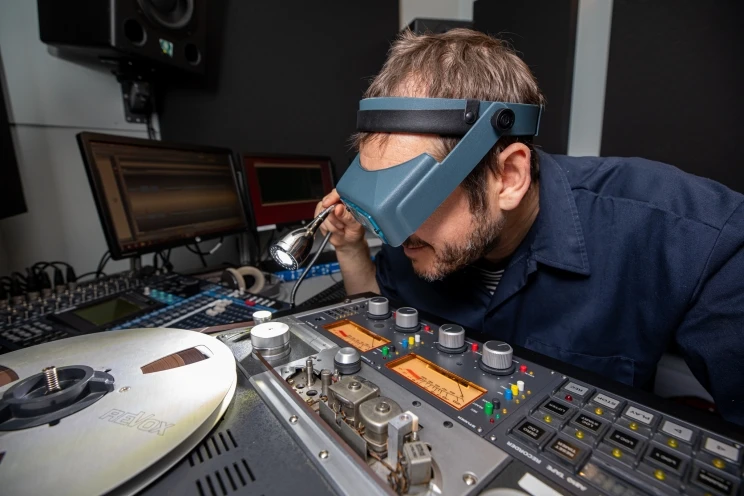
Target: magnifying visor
392, 203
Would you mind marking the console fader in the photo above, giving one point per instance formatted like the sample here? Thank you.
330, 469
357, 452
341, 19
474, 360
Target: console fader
555, 432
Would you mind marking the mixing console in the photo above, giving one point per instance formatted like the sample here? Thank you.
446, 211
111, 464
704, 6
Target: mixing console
561, 429
170, 300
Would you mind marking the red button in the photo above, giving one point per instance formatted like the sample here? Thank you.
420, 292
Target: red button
523, 368
569, 397
427, 328
492, 420
250, 303
474, 347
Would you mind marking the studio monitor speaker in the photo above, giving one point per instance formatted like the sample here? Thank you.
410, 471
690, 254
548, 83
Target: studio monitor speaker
169, 32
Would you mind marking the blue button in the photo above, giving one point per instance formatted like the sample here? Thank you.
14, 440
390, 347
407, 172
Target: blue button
404, 344
508, 394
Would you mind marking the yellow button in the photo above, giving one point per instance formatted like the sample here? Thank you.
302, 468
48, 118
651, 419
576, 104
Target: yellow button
517, 401
718, 463
515, 390
617, 453
523, 396
672, 442
598, 411
529, 392
548, 419
503, 411
411, 341
633, 426
659, 474
580, 434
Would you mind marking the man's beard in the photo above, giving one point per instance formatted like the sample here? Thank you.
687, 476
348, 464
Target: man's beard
451, 257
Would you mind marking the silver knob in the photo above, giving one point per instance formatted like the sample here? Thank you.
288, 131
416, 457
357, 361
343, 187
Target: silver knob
261, 316
270, 335
407, 318
348, 360
497, 354
451, 336
378, 307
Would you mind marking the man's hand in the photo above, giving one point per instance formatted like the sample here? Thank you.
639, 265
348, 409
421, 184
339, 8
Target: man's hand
346, 233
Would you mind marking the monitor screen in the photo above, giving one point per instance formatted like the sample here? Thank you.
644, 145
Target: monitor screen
152, 195
286, 189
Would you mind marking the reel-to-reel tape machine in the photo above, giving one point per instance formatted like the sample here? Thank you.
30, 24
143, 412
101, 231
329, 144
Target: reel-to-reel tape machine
359, 397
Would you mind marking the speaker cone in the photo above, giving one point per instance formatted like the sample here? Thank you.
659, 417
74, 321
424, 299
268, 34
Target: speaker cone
171, 14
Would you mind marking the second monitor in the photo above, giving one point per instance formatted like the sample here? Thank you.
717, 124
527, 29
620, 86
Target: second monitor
286, 189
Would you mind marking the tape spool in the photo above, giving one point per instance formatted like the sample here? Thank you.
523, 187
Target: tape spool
169, 388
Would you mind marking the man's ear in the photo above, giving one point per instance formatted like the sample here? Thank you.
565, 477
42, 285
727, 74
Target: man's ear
515, 180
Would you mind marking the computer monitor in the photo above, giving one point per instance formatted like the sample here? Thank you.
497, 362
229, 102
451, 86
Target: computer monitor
286, 189
153, 195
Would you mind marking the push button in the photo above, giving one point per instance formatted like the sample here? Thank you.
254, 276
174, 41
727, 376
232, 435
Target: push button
608, 403
661, 476
677, 431
588, 423
532, 432
721, 449
556, 408
566, 451
624, 440
710, 480
665, 460
579, 392
641, 416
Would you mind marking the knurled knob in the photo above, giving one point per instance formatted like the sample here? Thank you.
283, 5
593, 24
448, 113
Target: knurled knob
451, 336
497, 355
378, 307
406, 318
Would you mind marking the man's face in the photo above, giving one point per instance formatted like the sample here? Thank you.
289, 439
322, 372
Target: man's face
452, 236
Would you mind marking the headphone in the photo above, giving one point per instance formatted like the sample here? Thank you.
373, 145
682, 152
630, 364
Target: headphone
246, 278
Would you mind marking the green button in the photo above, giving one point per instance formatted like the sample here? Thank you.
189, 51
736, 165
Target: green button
489, 408
385, 351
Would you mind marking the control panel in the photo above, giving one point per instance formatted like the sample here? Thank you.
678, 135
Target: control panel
432, 410
124, 301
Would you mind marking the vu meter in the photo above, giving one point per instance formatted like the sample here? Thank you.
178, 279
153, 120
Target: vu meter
357, 336
448, 387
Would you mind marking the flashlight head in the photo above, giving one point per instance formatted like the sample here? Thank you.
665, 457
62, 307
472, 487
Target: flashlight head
293, 249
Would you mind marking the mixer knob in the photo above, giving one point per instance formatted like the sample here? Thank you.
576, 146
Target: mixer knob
271, 339
261, 316
451, 339
378, 308
348, 361
497, 358
406, 319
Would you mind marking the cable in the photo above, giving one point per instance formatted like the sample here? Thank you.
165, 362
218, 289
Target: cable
102, 264
198, 252
307, 269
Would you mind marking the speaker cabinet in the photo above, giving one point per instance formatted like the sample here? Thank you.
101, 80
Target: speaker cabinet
437, 26
168, 32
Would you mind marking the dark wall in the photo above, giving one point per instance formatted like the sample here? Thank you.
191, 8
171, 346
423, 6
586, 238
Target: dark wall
12, 201
674, 85
282, 76
543, 32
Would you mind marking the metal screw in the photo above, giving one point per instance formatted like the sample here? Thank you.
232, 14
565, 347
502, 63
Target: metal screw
124, 389
469, 479
293, 419
323, 454
493, 438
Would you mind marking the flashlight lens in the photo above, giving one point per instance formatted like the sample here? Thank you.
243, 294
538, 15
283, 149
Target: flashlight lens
284, 258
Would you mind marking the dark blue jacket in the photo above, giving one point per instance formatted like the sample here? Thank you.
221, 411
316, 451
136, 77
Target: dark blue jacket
625, 257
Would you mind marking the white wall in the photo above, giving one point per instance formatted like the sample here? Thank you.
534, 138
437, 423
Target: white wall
50, 100
435, 9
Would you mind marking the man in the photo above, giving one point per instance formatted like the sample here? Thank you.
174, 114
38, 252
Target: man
602, 263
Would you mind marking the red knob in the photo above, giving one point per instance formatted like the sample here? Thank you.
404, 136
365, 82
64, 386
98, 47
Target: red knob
523, 368
474, 347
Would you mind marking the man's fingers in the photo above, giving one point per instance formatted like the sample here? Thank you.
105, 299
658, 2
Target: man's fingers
330, 199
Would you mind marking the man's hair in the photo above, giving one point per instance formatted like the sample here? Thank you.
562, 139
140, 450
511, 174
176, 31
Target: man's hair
460, 64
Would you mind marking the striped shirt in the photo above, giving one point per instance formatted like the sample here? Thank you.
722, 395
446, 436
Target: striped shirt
488, 278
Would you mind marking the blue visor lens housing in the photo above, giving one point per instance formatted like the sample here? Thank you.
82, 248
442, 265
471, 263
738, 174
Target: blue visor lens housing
392, 203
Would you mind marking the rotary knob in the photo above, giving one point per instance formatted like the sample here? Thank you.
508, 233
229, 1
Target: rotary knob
261, 316
406, 319
497, 358
348, 361
271, 339
378, 308
451, 338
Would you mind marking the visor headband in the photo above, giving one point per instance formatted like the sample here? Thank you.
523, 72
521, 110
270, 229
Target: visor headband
441, 116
